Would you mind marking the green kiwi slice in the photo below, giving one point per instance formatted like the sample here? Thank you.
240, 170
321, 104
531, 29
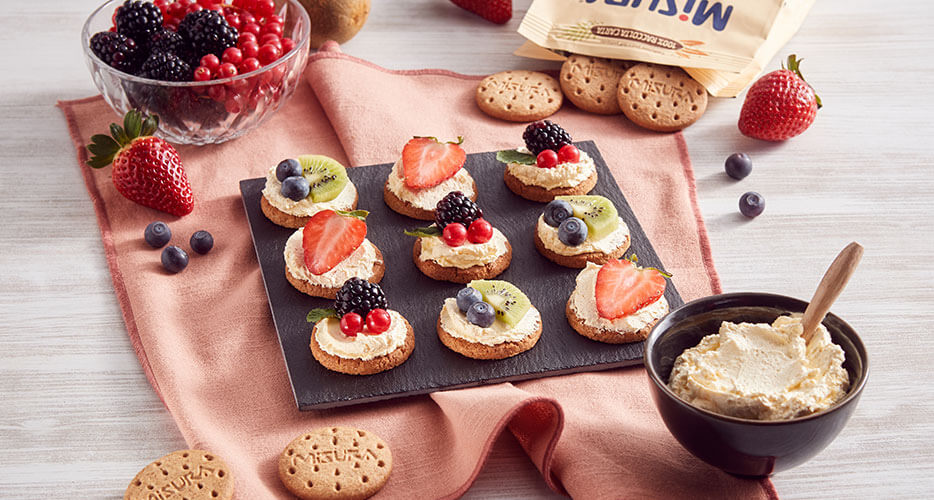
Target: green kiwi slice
508, 301
325, 175
597, 212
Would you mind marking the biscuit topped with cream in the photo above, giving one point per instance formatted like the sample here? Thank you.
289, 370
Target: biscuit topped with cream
426, 172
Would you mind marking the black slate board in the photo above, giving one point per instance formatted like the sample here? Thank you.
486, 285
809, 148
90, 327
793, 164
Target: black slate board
432, 366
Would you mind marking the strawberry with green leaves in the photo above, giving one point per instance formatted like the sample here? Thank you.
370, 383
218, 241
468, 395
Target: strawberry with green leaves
780, 105
623, 287
146, 170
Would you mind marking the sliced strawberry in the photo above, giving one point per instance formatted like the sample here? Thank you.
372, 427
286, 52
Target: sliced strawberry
330, 237
623, 288
427, 162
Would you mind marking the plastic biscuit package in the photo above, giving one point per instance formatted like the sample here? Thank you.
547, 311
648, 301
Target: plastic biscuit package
723, 44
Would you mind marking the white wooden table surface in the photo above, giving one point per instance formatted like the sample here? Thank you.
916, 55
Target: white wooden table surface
78, 419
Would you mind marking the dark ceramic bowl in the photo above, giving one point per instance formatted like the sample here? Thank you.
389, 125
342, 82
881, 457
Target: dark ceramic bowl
737, 445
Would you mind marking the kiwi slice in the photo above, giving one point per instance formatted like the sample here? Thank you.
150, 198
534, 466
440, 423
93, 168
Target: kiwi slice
508, 301
326, 176
597, 212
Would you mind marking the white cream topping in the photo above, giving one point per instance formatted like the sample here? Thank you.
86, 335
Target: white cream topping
467, 255
305, 207
584, 303
608, 244
455, 323
562, 175
328, 334
358, 264
428, 198
761, 371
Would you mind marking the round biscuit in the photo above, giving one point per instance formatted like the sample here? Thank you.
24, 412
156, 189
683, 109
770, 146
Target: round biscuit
519, 96
590, 82
191, 474
661, 98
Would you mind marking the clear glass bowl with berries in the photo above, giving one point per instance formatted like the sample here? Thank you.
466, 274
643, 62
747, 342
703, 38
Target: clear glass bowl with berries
212, 70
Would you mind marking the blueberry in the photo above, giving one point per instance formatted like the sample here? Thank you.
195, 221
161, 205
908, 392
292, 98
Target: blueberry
466, 297
295, 188
738, 165
174, 259
572, 232
201, 242
481, 314
288, 168
157, 234
556, 211
751, 204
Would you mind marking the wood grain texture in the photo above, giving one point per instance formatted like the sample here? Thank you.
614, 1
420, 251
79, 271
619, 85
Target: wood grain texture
79, 420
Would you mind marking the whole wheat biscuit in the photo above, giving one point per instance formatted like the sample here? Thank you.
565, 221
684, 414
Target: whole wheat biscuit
378, 364
335, 463
604, 335
579, 261
409, 210
379, 268
477, 350
519, 96
540, 194
293, 221
438, 272
661, 98
591, 82
191, 474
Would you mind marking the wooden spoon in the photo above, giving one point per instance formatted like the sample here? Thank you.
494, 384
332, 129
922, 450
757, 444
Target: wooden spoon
833, 282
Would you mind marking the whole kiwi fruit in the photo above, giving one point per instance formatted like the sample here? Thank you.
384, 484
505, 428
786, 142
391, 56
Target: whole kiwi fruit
337, 20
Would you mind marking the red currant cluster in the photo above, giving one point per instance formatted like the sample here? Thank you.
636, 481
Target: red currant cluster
377, 322
456, 234
549, 159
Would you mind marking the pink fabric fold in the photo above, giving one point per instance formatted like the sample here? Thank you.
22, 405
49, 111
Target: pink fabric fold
206, 341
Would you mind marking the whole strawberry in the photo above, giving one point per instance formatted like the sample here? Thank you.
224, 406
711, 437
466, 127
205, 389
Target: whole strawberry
146, 169
495, 11
780, 105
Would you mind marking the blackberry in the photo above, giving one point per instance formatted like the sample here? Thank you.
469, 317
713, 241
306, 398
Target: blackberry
167, 67
359, 296
138, 20
455, 207
117, 51
543, 135
207, 32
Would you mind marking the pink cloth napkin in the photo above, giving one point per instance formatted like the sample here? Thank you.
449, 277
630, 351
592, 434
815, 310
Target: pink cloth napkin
206, 341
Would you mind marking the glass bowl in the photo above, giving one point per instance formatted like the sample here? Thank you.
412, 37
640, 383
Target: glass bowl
208, 112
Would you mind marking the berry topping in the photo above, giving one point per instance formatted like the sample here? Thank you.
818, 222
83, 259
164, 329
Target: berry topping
138, 20
117, 51
556, 211
466, 298
157, 234
543, 135
572, 232
780, 105
738, 165
359, 296
547, 159
481, 314
495, 11
174, 259
623, 288
426, 162
330, 237
569, 154
751, 204
166, 66
351, 324
288, 168
377, 321
480, 231
507, 300
597, 212
295, 188
201, 242
455, 207
207, 32
454, 234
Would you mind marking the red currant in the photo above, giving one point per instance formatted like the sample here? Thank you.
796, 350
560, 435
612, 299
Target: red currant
208, 4
217, 93
250, 50
454, 234
378, 321
232, 55
273, 29
211, 62
275, 19
226, 70
250, 27
176, 10
351, 324
246, 37
269, 53
480, 231
264, 7
569, 154
270, 38
247, 18
202, 74
547, 159
249, 64
287, 45
233, 20
193, 8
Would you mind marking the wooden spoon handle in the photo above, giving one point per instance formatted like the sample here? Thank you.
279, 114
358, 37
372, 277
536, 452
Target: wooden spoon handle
833, 282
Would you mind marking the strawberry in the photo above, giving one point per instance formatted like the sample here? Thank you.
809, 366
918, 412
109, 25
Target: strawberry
495, 11
780, 105
623, 288
146, 169
427, 162
330, 237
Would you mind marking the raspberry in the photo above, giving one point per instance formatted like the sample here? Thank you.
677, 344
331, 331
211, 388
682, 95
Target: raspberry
455, 207
543, 135
138, 20
207, 32
359, 296
117, 51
